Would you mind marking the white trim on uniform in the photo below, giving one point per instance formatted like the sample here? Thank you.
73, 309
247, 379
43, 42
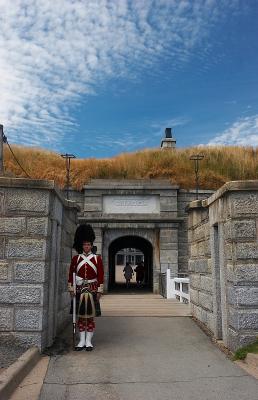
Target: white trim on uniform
86, 260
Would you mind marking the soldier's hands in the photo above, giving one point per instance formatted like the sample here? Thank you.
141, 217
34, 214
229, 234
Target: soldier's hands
99, 295
72, 294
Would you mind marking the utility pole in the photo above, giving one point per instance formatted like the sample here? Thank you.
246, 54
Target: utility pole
68, 165
196, 158
2, 141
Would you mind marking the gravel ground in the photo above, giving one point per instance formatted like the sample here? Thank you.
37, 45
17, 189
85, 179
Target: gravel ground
9, 354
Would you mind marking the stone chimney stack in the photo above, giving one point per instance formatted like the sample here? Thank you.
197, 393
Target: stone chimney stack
168, 142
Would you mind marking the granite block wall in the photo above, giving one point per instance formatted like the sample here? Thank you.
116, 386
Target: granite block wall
199, 266
184, 198
36, 230
229, 269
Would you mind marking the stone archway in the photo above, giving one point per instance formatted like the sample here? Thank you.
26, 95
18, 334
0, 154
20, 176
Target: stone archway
137, 242
146, 240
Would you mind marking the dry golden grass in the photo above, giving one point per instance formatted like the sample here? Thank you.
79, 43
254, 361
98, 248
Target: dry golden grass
220, 164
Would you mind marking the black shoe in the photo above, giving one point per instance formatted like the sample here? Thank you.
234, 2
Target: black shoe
79, 348
89, 348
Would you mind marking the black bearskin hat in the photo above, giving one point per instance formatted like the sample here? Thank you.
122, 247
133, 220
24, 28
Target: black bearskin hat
84, 233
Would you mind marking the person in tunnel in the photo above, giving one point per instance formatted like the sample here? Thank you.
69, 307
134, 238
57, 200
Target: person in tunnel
85, 282
140, 270
128, 273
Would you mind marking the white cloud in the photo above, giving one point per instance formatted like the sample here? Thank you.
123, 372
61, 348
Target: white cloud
118, 142
243, 132
54, 52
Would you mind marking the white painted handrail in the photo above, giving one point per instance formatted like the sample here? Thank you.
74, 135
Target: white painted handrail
175, 288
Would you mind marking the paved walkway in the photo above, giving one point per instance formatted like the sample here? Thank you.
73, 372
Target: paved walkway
144, 305
147, 358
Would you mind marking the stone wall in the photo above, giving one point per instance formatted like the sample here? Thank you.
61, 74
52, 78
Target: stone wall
184, 197
199, 264
36, 231
223, 242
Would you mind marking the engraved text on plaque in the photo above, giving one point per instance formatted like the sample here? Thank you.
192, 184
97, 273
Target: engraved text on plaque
131, 204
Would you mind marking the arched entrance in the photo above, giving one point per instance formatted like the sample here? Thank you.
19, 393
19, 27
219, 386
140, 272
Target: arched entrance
138, 243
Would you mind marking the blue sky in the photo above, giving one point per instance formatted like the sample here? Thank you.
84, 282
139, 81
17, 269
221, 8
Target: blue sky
96, 78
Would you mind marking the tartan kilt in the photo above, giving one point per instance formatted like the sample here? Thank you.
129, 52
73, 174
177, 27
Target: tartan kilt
97, 312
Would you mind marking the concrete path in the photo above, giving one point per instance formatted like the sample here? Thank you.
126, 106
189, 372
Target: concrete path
147, 358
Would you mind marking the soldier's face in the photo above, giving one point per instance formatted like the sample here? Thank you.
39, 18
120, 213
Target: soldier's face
87, 246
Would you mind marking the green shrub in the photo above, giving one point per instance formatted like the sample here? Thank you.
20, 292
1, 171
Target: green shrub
241, 353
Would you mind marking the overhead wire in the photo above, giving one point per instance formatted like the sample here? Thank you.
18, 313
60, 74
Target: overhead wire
15, 158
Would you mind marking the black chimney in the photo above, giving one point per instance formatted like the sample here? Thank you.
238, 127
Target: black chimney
168, 133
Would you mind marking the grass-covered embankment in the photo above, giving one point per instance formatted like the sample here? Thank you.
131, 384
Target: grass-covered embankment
220, 164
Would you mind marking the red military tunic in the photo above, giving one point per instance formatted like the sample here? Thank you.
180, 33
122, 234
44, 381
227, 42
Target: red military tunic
86, 271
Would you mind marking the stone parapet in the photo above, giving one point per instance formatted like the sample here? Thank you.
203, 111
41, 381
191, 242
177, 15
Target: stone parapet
101, 184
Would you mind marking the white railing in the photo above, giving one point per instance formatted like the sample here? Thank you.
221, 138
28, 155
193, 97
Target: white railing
177, 288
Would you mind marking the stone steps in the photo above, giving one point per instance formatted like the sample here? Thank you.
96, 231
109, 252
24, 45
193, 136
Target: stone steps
123, 305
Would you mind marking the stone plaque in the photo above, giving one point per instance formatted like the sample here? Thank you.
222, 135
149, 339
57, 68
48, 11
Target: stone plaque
131, 204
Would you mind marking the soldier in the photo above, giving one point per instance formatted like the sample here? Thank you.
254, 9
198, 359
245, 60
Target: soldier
86, 270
